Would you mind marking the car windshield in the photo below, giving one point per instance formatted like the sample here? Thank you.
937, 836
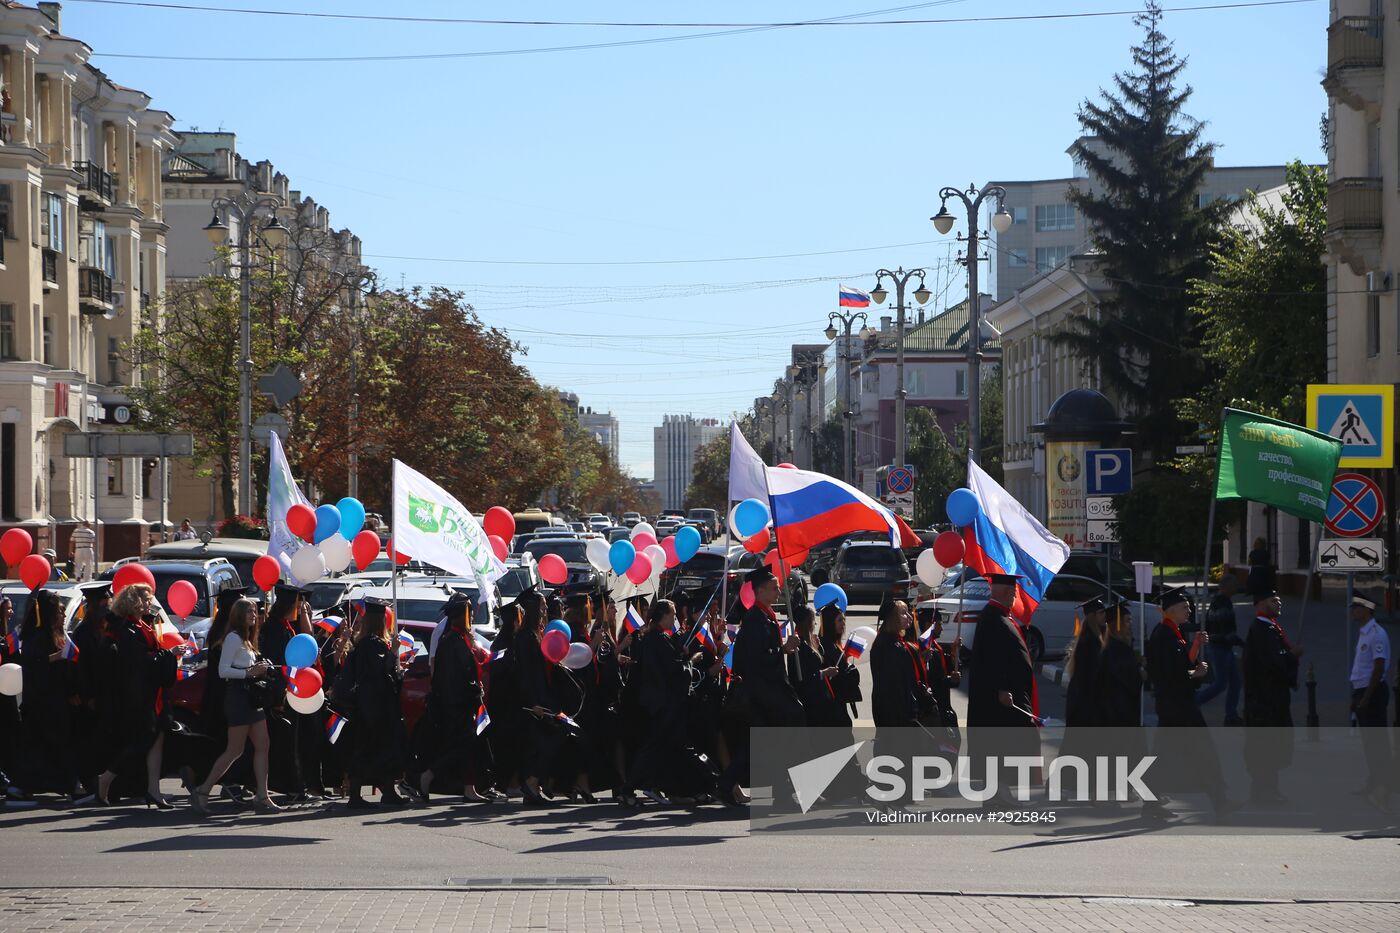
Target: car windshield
571, 549
201, 586
420, 610
515, 580
325, 595
703, 563
873, 557
524, 526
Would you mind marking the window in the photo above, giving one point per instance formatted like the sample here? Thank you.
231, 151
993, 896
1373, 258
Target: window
114, 362
7, 332
51, 223
960, 383
114, 477
1054, 217
5, 230
1018, 215
1373, 325
1016, 258
48, 339
1048, 257
94, 246
915, 382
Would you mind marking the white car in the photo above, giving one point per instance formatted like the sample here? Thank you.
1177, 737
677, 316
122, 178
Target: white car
421, 604
1052, 626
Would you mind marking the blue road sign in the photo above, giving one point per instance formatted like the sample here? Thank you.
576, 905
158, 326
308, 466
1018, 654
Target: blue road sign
1361, 417
1109, 472
1356, 506
899, 479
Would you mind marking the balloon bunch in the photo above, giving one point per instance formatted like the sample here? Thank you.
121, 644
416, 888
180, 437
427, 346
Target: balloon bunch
304, 682
335, 536
948, 548
642, 557
499, 526
749, 521
557, 649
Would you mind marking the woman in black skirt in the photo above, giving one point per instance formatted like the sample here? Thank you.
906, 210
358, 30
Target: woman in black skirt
238, 668
373, 678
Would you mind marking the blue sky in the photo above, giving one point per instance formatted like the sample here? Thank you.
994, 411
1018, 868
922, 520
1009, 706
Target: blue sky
579, 176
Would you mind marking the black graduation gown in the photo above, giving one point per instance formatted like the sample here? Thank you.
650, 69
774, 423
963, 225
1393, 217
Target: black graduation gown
1270, 675
818, 697
1081, 696
550, 748
1000, 662
376, 719
599, 716
453, 702
92, 719
1118, 685
845, 683
9, 707
894, 693
759, 662
506, 736
1186, 755
143, 670
48, 747
664, 688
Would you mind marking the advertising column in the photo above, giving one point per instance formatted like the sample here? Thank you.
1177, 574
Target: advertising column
1066, 515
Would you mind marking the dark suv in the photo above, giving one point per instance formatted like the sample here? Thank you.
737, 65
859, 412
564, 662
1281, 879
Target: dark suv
867, 570
708, 568
583, 578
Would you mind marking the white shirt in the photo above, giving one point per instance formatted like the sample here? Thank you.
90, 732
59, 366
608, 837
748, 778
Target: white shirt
1372, 643
84, 538
235, 658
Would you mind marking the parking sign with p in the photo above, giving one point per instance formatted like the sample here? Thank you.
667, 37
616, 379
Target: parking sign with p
1109, 471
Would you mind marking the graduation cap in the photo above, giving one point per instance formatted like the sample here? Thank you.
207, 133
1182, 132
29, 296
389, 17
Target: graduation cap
579, 600
1263, 593
1172, 597
288, 591
96, 592
458, 603
1004, 579
1097, 604
228, 596
1363, 603
759, 575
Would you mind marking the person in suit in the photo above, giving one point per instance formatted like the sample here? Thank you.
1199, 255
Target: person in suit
1270, 676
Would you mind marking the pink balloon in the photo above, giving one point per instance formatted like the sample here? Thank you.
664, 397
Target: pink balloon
498, 546
746, 595
554, 646
553, 570
643, 541
787, 466
640, 570
182, 597
669, 546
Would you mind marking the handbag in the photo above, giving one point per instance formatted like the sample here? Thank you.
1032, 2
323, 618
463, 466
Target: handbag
266, 692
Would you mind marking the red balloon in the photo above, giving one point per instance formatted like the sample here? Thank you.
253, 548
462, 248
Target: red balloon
499, 522
14, 545
266, 572
365, 549
301, 519
182, 596
498, 547
669, 546
170, 638
400, 557
643, 541
787, 466
554, 646
553, 570
778, 566
34, 571
757, 543
746, 596
128, 574
948, 549
640, 570
305, 683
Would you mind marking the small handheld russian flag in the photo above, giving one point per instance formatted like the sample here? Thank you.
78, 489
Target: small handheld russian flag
335, 724
483, 719
328, 624
703, 636
926, 639
405, 642
855, 646
565, 719
498, 654
632, 621
70, 650
183, 673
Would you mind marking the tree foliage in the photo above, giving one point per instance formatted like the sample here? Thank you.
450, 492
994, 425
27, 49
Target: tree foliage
1151, 234
937, 466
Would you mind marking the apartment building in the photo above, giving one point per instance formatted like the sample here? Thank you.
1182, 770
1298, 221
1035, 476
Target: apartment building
82, 267
1046, 228
601, 424
674, 443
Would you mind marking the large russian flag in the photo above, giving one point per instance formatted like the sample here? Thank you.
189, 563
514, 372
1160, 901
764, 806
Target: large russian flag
809, 508
1005, 538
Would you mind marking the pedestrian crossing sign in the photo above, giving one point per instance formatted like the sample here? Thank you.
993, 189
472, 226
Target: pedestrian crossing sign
1362, 417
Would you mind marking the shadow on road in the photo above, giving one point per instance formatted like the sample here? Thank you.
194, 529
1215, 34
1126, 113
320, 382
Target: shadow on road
203, 842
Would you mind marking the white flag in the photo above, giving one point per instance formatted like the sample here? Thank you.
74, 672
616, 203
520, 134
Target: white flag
432, 526
282, 494
747, 475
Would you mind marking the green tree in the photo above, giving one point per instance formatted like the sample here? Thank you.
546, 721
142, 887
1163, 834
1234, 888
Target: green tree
937, 467
827, 448
709, 478
1146, 160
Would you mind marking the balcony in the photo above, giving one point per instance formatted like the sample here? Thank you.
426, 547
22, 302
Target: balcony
50, 263
1355, 63
96, 187
1354, 226
94, 291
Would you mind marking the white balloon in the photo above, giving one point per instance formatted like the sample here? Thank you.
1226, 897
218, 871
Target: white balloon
306, 705
640, 528
597, 550
929, 569
11, 679
865, 633
657, 554
336, 551
308, 564
578, 657
733, 531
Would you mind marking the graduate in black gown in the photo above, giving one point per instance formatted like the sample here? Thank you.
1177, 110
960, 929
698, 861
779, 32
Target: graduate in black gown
1082, 714
759, 658
143, 670
599, 717
334, 653
552, 743
665, 684
1001, 698
373, 677
942, 674
296, 737
1270, 676
1118, 682
9, 706
1186, 757
509, 725
458, 755
96, 686
50, 685
846, 681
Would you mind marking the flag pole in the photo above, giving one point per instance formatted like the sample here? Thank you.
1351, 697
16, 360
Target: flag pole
393, 536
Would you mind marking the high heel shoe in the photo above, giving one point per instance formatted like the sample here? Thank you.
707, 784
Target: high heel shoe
472, 795
585, 796
199, 801
265, 805
532, 798
159, 802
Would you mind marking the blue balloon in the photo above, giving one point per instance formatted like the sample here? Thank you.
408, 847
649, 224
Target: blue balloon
352, 517
829, 593
621, 555
302, 651
327, 522
963, 507
687, 543
750, 517
559, 625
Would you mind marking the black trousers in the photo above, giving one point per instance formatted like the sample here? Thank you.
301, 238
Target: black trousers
1375, 737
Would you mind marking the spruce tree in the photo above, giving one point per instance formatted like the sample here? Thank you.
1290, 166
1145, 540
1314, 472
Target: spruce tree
1153, 238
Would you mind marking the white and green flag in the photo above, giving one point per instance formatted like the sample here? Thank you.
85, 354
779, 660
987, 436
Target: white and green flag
282, 494
430, 525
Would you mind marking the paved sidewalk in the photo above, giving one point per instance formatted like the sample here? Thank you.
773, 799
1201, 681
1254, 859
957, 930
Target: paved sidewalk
109, 910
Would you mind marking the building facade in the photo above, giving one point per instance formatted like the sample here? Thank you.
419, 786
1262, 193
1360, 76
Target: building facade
82, 268
674, 443
601, 424
1046, 228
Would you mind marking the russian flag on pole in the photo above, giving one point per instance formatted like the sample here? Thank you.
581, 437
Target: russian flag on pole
852, 297
1005, 538
183, 673
70, 650
855, 646
483, 719
809, 508
335, 724
328, 623
703, 636
632, 621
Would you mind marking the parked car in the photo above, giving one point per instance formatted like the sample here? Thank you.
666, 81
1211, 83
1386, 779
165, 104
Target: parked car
708, 517
583, 577
617, 533
867, 570
631, 518
210, 577
328, 593
241, 552
820, 557
532, 520
20, 596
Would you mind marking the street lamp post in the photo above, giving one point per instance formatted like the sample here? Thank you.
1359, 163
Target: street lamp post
1001, 222
353, 481
847, 320
790, 384
900, 278
245, 208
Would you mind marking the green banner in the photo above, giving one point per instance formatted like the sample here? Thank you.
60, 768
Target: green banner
1276, 463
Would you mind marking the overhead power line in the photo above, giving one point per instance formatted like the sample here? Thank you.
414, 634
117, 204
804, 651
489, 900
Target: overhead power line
643, 262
